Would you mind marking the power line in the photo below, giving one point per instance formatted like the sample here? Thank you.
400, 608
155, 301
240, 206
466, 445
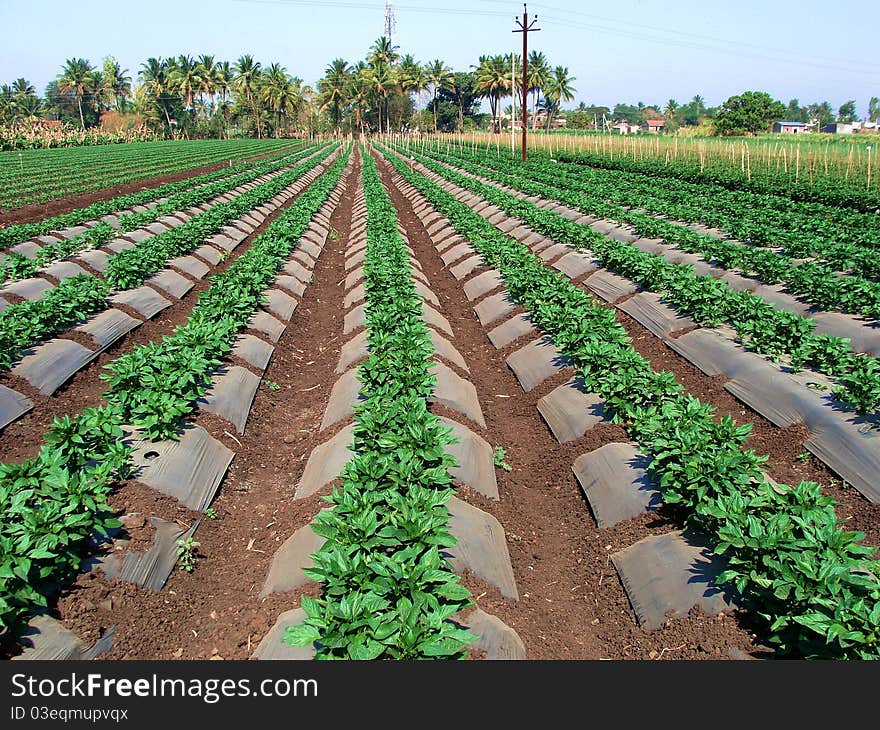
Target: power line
797, 61
670, 31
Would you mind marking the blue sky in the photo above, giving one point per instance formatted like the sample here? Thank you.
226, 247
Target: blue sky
627, 50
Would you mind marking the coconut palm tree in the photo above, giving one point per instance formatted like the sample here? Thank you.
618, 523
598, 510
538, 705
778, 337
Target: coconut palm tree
223, 81
438, 76
383, 51
359, 92
76, 77
185, 77
493, 83
275, 91
335, 88
559, 89
247, 78
23, 87
207, 72
156, 78
117, 83
539, 75
670, 108
381, 81
411, 77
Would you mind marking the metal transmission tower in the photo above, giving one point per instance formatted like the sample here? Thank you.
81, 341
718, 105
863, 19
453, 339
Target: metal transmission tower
525, 28
390, 21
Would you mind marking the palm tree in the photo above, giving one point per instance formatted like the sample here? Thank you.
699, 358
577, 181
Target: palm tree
438, 76
117, 83
76, 76
223, 81
493, 82
382, 51
275, 91
247, 78
185, 77
380, 79
670, 108
411, 77
335, 88
155, 76
23, 87
559, 89
359, 92
29, 107
539, 75
207, 72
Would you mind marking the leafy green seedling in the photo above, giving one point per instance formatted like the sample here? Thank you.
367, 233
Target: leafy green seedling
211, 513
272, 385
187, 554
804, 457
498, 457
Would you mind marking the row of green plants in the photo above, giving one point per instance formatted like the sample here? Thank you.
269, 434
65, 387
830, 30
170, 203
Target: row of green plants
815, 283
18, 232
388, 592
812, 584
27, 323
825, 192
35, 176
18, 266
709, 301
55, 504
840, 237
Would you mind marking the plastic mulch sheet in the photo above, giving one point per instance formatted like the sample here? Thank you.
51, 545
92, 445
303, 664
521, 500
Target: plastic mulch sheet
231, 395
149, 569
570, 410
536, 362
614, 479
514, 328
13, 405
326, 462
658, 318
253, 351
189, 470
670, 573
50, 365
481, 547
453, 391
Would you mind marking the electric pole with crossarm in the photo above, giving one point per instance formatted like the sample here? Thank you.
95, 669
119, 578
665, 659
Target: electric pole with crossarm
525, 28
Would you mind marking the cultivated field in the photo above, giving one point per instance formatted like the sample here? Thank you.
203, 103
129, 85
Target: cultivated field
31, 177
417, 399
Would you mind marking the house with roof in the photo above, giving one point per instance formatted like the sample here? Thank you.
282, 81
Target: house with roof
626, 128
838, 128
790, 127
656, 125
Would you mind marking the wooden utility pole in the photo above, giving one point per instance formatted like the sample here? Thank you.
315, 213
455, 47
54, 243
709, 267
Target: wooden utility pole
525, 28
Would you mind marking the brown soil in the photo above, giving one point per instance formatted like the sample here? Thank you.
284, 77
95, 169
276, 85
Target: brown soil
58, 206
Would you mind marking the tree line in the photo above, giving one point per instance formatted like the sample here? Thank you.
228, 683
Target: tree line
178, 96
752, 112
206, 97
202, 96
